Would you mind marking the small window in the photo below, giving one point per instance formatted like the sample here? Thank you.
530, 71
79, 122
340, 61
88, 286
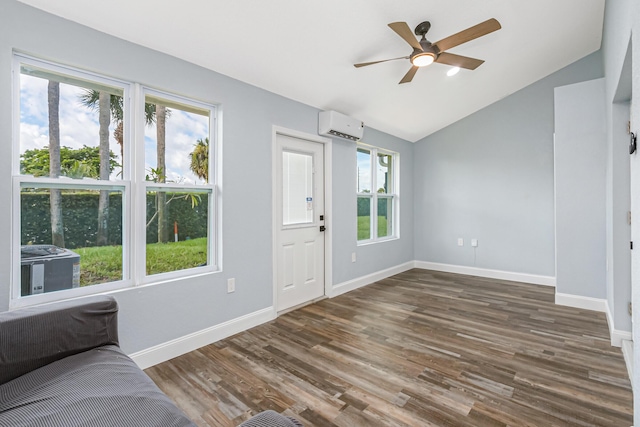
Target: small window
377, 194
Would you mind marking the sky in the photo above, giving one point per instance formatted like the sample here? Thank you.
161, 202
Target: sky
79, 126
364, 171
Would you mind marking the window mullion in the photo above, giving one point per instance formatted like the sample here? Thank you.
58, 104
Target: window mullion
138, 207
374, 195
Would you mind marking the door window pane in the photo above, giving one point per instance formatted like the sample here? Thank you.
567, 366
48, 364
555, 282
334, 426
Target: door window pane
69, 248
177, 236
364, 218
364, 170
297, 188
385, 219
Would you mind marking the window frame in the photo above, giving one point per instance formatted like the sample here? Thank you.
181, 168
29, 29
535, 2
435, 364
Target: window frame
143, 187
133, 186
373, 196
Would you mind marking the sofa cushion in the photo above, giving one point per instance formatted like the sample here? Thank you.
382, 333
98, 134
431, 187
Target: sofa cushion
36, 336
271, 419
99, 387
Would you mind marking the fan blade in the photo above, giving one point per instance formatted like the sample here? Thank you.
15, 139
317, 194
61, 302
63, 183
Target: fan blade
482, 29
409, 76
403, 30
459, 61
364, 64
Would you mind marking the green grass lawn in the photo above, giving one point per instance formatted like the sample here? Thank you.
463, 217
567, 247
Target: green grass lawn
364, 225
101, 264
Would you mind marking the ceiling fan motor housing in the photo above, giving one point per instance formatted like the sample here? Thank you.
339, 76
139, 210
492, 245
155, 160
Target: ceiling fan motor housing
427, 48
422, 28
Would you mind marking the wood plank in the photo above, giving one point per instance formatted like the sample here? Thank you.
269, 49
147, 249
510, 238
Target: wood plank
421, 348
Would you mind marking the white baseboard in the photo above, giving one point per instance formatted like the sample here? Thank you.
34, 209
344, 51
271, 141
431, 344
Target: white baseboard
585, 303
617, 336
359, 282
627, 352
174, 348
491, 274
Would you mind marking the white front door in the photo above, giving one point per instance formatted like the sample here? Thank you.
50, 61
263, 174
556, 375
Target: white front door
300, 221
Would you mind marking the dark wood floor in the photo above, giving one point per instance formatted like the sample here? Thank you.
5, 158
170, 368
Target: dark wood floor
417, 349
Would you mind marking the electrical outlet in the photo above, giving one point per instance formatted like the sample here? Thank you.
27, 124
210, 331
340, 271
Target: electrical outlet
474, 243
460, 241
353, 257
231, 285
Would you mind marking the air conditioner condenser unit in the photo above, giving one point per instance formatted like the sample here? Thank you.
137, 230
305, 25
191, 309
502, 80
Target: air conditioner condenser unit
48, 268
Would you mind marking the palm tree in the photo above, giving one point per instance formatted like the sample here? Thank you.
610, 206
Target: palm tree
90, 99
109, 105
161, 196
153, 113
200, 159
55, 196
104, 118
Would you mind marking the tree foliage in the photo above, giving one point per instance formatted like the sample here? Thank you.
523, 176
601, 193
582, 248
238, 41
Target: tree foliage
200, 159
90, 98
74, 163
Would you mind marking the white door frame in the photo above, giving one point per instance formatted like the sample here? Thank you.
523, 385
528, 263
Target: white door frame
328, 208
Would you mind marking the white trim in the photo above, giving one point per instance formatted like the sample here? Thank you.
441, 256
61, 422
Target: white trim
328, 207
174, 348
617, 336
394, 195
585, 303
359, 282
192, 106
491, 274
627, 353
138, 211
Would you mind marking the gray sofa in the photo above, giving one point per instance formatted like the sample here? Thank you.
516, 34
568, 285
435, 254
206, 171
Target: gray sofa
60, 365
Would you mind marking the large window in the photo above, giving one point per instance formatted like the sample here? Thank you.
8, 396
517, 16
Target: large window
377, 194
113, 184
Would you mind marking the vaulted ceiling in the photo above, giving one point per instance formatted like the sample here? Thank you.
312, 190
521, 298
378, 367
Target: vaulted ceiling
305, 49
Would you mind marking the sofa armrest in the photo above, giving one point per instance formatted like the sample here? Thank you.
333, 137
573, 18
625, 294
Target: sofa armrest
36, 336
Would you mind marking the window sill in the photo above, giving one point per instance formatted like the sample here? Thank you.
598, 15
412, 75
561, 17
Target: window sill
373, 242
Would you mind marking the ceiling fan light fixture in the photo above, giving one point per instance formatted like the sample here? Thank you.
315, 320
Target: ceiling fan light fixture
423, 59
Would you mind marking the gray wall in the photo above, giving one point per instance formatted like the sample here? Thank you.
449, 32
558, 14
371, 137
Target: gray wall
368, 256
580, 167
622, 26
152, 315
490, 177
618, 205
618, 70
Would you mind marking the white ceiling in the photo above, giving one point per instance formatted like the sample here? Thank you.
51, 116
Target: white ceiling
304, 49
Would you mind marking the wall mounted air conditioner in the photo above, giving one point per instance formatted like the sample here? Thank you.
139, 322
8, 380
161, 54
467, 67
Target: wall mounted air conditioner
332, 123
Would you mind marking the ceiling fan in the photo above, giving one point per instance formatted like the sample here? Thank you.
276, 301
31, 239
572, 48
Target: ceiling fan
425, 53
